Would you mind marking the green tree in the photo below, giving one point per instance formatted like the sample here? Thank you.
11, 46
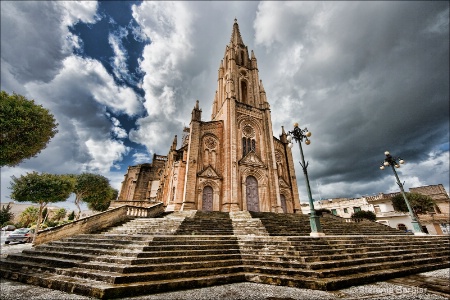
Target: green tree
420, 204
29, 216
41, 189
102, 203
71, 216
93, 189
26, 128
364, 214
5, 214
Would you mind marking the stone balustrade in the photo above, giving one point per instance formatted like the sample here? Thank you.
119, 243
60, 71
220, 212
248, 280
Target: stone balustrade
98, 222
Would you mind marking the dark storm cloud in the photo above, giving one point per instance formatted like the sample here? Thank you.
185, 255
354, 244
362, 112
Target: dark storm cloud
371, 77
364, 77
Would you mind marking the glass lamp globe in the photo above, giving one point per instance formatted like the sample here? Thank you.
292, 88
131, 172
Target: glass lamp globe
386, 163
382, 168
307, 142
402, 161
308, 134
289, 138
397, 166
295, 124
290, 145
386, 153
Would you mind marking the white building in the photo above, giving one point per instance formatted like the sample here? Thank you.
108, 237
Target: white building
434, 222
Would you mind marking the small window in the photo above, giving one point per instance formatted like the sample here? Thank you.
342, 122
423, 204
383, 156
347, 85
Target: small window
356, 209
346, 210
334, 212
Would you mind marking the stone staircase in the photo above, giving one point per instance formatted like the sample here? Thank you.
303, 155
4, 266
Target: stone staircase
331, 263
298, 225
185, 250
166, 224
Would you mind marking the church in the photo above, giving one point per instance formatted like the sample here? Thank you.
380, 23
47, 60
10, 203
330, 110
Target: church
231, 163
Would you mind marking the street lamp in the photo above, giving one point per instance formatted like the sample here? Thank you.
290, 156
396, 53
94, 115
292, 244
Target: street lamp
395, 162
299, 135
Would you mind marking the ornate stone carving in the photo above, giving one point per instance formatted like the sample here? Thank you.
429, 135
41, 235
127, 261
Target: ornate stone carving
248, 131
210, 143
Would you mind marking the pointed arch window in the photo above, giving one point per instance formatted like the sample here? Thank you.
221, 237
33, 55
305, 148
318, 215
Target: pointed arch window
244, 92
248, 144
248, 139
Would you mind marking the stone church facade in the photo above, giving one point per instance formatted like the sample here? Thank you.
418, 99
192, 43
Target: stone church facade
231, 163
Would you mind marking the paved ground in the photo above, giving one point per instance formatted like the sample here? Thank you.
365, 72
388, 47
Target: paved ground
425, 286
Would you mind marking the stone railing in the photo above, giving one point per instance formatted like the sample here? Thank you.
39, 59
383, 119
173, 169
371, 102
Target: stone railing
98, 222
140, 203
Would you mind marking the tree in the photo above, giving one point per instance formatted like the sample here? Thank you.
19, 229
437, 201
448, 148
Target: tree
71, 216
102, 203
5, 214
93, 189
41, 189
26, 129
420, 204
364, 214
29, 216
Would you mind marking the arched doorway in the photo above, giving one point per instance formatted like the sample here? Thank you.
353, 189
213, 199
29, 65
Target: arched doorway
252, 195
283, 203
402, 227
207, 203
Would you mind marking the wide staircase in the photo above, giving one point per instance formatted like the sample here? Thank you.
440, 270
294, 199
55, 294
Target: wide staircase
184, 250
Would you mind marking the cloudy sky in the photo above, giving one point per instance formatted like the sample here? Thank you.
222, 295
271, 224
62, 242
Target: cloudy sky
121, 79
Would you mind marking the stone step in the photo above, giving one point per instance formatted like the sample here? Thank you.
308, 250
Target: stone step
168, 272
115, 264
102, 290
340, 282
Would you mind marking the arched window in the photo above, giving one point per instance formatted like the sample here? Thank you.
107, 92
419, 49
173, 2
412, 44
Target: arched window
248, 145
244, 92
242, 58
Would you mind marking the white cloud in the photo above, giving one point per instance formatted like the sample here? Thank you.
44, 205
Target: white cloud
141, 158
168, 25
104, 154
90, 75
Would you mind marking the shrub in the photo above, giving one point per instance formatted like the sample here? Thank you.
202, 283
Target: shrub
363, 214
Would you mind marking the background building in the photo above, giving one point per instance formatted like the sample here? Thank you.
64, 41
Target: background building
436, 221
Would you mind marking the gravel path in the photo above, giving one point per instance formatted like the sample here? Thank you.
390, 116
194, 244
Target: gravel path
11, 290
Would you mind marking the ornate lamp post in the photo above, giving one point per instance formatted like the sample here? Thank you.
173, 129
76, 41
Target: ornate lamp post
299, 135
395, 162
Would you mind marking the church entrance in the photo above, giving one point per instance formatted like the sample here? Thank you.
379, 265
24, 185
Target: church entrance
252, 195
283, 203
207, 204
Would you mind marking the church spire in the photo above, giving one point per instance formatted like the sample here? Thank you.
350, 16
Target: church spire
236, 38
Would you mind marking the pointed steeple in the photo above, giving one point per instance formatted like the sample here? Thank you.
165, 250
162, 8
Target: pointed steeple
236, 38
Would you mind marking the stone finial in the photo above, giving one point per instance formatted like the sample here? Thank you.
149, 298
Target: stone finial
196, 112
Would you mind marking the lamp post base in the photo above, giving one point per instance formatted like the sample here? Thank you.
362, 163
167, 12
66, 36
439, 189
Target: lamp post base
317, 234
316, 229
417, 229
